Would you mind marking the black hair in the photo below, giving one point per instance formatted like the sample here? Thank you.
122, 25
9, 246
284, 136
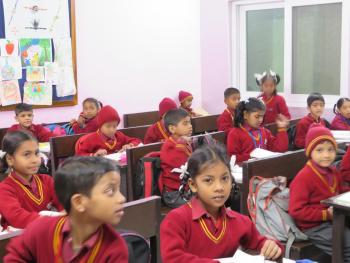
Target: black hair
339, 104
78, 175
201, 158
249, 105
230, 91
97, 103
314, 97
260, 79
21, 107
10, 143
173, 117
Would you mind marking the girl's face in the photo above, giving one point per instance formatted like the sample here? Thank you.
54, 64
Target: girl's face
212, 186
268, 87
324, 154
89, 110
25, 160
187, 103
254, 119
345, 109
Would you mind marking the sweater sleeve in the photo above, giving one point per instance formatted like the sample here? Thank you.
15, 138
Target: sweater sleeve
283, 108
224, 124
345, 166
278, 143
127, 140
235, 147
43, 134
150, 136
83, 147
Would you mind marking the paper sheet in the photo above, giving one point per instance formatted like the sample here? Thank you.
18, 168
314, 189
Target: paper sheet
37, 93
10, 68
10, 93
343, 199
116, 156
52, 72
35, 52
35, 74
9, 47
242, 257
44, 147
262, 153
237, 173
63, 51
66, 83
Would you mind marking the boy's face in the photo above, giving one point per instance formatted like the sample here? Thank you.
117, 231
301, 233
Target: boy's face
324, 154
89, 110
109, 128
232, 101
25, 118
105, 204
316, 108
268, 87
183, 128
254, 119
187, 103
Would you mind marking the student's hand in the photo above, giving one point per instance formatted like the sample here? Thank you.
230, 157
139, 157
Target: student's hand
81, 120
330, 212
271, 250
72, 121
100, 152
126, 146
282, 121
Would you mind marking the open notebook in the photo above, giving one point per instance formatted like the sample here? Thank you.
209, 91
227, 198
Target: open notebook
262, 153
242, 257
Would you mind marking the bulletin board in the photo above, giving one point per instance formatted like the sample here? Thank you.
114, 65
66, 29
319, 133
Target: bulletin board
39, 23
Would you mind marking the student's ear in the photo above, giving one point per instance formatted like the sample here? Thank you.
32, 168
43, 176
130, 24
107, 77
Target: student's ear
16, 118
78, 202
172, 128
192, 185
245, 115
10, 160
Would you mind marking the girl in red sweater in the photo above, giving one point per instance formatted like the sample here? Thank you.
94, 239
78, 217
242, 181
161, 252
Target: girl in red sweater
24, 194
275, 104
248, 133
204, 229
342, 111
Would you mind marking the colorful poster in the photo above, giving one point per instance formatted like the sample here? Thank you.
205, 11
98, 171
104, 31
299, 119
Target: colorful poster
9, 92
52, 72
37, 93
36, 18
35, 52
66, 84
9, 48
63, 51
35, 74
10, 68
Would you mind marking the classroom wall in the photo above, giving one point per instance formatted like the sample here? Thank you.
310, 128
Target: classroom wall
131, 54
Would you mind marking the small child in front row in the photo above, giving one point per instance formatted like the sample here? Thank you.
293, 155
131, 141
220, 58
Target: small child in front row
318, 181
24, 194
315, 105
275, 104
89, 189
342, 111
204, 229
248, 134
232, 97
157, 131
106, 140
174, 153
24, 117
185, 99
87, 120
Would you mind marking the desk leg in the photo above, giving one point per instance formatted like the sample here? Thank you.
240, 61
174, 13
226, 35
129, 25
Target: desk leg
338, 236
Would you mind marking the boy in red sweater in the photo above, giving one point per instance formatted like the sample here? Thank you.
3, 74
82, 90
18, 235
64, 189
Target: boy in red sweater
157, 131
225, 120
107, 139
89, 189
24, 117
315, 105
317, 181
174, 153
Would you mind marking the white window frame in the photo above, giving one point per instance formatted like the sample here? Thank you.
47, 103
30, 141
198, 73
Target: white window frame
238, 47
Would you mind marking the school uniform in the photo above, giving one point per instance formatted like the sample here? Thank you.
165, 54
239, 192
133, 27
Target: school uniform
90, 125
345, 166
225, 121
21, 201
302, 128
340, 123
274, 106
41, 133
243, 140
156, 133
48, 240
184, 95
190, 234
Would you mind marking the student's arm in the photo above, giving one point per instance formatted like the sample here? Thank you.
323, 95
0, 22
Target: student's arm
224, 123
235, 147
43, 134
83, 147
127, 140
345, 167
278, 143
283, 108
20, 249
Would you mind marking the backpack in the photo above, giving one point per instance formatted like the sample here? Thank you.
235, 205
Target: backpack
147, 175
291, 137
268, 203
138, 247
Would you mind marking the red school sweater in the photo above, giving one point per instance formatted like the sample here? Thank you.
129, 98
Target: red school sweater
37, 244
345, 166
312, 185
156, 133
92, 142
274, 106
340, 123
241, 144
41, 133
173, 154
19, 206
189, 234
225, 121
90, 125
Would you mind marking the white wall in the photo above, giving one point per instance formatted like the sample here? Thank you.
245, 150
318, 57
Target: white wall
131, 54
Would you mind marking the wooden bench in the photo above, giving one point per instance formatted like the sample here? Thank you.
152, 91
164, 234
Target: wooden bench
136, 132
273, 126
140, 119
204, 124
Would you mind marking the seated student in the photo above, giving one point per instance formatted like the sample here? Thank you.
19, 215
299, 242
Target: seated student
107, 139
225, 120
342, 111
204, 229
248, 134
315, 105
87, 120
174, 153
185, 99
157, 131
345, 167
25, 195
89, 189
275, 104
24, 117
317, 181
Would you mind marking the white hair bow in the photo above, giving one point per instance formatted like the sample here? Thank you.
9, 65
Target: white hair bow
182, 170
259, 77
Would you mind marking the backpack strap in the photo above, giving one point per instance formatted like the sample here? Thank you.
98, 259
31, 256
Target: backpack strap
290, 241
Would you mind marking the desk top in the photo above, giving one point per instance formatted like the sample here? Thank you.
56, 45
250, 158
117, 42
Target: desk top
338, 204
